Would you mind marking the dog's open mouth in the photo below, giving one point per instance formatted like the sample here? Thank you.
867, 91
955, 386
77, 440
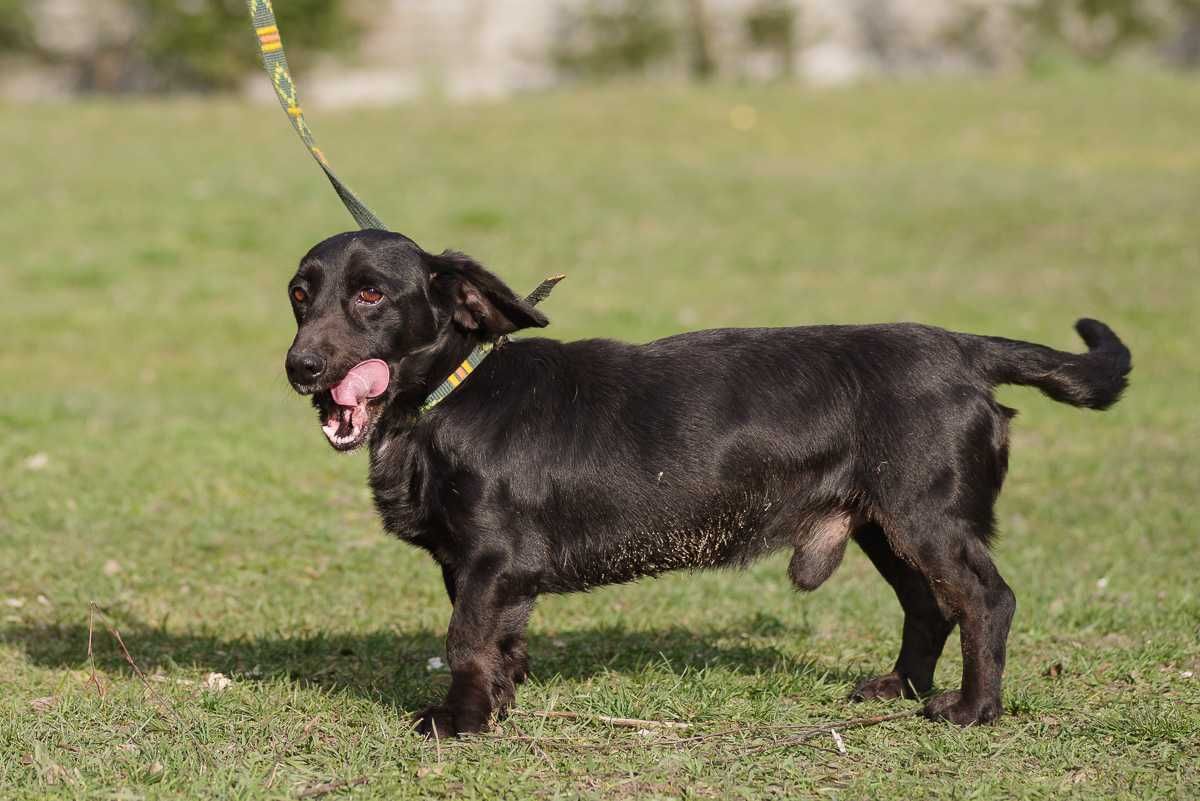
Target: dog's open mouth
347, 413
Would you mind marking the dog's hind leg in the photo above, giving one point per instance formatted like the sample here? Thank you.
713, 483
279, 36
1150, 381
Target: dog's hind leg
936, 508
953, 558
925, 626
967, 584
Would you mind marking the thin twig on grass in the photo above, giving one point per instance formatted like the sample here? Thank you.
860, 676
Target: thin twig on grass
330, 787
161, 702
142, 676
533, 744
793, 734
550, 739
437, 741
852, 723
629, 723
94, 679
811, 732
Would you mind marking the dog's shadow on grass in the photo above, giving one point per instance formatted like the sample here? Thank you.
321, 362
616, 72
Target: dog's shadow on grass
394, 666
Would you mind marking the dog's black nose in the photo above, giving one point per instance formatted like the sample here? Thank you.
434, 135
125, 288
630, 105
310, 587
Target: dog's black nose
304, 368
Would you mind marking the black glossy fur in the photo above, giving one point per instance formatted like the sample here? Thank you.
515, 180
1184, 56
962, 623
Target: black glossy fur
556, 466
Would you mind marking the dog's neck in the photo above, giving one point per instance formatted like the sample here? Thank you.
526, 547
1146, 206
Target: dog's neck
418, 373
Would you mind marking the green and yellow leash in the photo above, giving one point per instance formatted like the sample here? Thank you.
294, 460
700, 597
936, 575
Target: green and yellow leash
270, 46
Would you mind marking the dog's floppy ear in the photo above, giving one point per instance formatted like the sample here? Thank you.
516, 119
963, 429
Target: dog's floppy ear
476, 299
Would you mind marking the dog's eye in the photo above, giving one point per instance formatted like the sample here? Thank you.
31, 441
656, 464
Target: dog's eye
370, 296
299, 295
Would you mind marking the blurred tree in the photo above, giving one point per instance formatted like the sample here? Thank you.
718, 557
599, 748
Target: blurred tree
701, 63
16, 29
161, 45
1041, 34
206, 44
1185, 50
1093, 30
879, 30
604, 38
771, 26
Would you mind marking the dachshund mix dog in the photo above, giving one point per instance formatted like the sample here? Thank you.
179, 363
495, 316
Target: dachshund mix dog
560, 466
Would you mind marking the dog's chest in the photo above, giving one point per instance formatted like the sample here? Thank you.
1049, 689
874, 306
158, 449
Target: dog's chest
395, 484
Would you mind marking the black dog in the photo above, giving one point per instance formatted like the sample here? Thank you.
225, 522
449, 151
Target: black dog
556, 467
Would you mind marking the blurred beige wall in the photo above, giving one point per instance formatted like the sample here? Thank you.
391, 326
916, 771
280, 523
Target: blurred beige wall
493, 48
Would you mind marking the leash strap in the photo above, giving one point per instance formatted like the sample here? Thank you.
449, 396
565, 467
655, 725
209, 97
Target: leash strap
270, 45
543, 290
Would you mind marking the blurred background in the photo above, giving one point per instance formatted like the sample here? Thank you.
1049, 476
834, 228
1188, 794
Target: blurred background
375, 51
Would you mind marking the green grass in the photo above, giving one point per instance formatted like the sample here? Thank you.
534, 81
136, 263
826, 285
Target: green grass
154, 461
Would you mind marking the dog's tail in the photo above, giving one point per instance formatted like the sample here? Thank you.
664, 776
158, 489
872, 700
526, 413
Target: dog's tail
1094, 379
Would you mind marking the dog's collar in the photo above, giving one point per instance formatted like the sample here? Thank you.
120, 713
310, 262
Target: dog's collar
481, 352
457, 377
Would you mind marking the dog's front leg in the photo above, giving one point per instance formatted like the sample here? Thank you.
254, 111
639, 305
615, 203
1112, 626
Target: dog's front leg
491, 608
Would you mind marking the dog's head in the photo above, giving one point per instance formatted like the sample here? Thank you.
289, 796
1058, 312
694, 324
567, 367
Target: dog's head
378, 319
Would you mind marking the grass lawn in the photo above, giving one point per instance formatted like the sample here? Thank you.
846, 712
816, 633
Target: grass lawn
154, 461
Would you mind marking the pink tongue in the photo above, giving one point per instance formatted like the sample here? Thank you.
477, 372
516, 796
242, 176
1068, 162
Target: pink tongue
367, 379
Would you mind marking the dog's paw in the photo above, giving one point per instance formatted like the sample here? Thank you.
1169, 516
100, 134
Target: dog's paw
881, 688
436, 722
442, 722
953, 708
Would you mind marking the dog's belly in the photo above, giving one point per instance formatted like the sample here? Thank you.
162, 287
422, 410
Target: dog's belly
730, 534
